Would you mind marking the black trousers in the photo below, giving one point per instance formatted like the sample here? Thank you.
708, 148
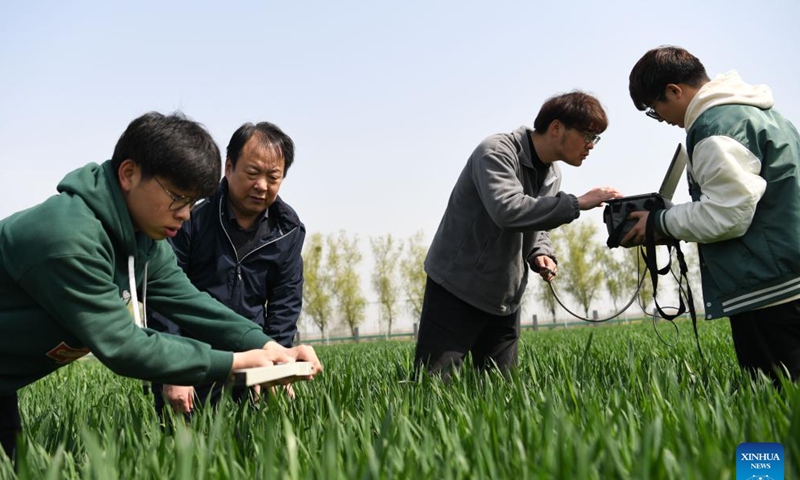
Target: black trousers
768, 340
450, 328
10, 423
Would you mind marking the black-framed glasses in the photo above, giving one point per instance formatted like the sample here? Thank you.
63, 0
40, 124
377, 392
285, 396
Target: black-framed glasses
178, 201
651, 112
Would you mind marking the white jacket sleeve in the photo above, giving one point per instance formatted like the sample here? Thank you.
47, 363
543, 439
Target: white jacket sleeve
728, 176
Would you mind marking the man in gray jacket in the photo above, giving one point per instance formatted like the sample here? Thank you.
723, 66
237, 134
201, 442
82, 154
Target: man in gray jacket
495, 226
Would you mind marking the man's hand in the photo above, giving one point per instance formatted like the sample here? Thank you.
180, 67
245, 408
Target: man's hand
273, 353
596, 196
180, 398
546, 267
636, 235
300, 353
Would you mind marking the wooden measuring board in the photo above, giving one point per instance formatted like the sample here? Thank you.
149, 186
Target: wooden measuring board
247, 377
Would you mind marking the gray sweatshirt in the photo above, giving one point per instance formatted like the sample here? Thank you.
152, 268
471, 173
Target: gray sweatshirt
497, 221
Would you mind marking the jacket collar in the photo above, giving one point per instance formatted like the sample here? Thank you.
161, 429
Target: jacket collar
523, 137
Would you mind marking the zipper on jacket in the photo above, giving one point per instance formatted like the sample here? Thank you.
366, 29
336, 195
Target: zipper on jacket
237, 289
235, 253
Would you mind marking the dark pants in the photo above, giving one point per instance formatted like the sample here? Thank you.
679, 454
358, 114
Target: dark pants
10, 423
450, 328
768, 340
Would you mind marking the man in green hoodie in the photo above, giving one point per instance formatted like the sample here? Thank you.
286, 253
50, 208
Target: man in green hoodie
74, 269
744, 180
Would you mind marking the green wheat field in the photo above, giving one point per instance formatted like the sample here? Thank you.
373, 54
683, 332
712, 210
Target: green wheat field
613, 402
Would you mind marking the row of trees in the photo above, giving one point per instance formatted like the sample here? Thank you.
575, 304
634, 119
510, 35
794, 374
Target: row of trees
588, 273
332, 288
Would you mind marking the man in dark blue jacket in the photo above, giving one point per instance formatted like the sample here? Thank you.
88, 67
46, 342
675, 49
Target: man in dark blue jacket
243, 247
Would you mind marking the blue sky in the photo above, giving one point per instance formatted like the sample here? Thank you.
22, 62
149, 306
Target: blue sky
385, 101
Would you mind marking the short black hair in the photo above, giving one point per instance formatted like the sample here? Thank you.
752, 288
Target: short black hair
173, 147
575, 109
658, 68
269, 135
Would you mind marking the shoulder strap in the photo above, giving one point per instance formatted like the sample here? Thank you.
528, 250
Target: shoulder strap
650, 261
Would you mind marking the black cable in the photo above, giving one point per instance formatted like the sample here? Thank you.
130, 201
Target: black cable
592, 320
681, 293
618, 313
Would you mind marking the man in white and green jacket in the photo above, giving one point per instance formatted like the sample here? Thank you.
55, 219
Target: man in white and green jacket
745, 211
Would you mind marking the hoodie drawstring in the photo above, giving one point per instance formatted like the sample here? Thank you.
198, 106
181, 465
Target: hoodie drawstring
139, 318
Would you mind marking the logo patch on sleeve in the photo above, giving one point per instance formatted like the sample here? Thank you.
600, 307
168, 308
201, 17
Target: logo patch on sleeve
64, 354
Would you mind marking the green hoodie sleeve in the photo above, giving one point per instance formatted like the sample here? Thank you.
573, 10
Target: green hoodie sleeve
79, 294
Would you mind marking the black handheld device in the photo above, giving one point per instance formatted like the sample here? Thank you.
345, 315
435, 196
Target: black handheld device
616, 212
615, 215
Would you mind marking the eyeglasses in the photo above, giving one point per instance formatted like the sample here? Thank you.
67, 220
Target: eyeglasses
178, 201
653, 114
589, 137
